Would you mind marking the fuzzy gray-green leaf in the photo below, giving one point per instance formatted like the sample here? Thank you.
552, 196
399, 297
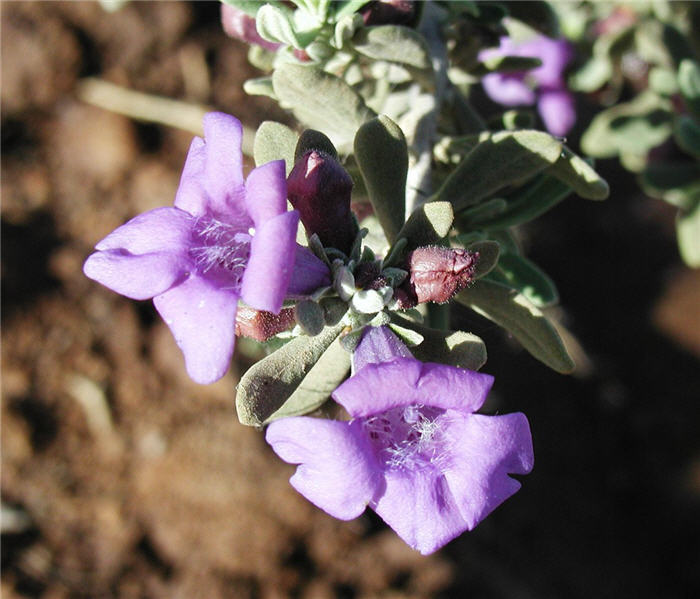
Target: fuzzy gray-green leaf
310, 139
634, 127
277, 25
525, 276
489, 252
687, 134
393, 43
511, 310
274, 141
689, 82
500, 159
541, 195
316, 387
382, 155
321, 101
455, 348
271, 381
579, 175
427, 225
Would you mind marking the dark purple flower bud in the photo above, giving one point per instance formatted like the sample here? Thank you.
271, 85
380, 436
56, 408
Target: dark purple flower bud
261, 325
437, 273
239, 25
368, 276
390, 12
320, 188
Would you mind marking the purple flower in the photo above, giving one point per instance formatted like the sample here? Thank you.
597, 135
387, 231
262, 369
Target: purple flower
544, 85
224, 239
414, 451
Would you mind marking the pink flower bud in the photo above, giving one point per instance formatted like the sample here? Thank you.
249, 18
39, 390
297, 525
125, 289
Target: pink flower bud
261, 325
437, 273
320, 188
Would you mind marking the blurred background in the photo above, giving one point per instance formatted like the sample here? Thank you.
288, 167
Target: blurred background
122, 478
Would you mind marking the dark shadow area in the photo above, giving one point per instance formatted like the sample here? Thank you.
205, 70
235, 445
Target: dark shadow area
26, 250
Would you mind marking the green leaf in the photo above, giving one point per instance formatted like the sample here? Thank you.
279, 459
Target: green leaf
579, 175
274, 141
261, 58
659, 179
687, 134
511, 310
536, 199
260, 86
689, 82
382, 155
321, 101
454, 348
407, 335
471, 217
266, 385
513, 119
348, 7
500, 159
663, 81
428, 224
393, 43
688, 232
634, 127
277, 25
525, 276
310, 139
310, 317
489, 252
592, 75
318, 385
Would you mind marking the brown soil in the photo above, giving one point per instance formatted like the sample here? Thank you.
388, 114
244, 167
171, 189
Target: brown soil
122, 478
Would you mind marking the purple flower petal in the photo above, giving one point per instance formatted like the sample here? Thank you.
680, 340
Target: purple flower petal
443, 468
420, 507
555, 103
269, 270
378, 344
558, 112
201, 318
484, 450
136, 276
190, 195
509, 90
310, 273
266, 192
337, 471
162, 229
554, 54
406, 382
196, 259
223, 164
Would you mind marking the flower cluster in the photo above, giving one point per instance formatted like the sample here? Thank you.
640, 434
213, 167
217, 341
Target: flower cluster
224, 261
